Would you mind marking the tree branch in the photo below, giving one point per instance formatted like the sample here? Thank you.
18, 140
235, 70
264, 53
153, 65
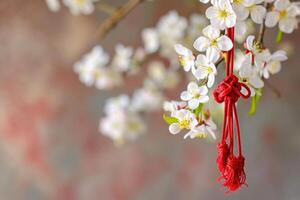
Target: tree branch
116, 17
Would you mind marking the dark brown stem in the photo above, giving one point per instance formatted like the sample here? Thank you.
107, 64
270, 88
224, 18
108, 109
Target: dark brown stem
116, 17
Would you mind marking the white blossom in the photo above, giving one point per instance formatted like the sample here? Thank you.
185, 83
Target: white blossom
206, 127
273, 65
122, 59
151, 40
147, 100
173, 106
186, 57
285, 14
195, 95
213, 43
250, 75
204, 69
221, 14
186, 120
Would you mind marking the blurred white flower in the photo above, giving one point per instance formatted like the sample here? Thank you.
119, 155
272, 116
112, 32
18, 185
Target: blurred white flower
151, 40
186, 120
195, 95
80, 6
53, 5
117, 104
221, 14
92, 69
285, 14
204, 69
147, 100
122, 127
122, 59
213, 43
186, 57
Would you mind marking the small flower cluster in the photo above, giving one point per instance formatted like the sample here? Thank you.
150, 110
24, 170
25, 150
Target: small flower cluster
257, 64
76, 7
93, 68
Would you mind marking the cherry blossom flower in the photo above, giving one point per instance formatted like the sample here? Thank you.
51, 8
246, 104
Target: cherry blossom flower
151, 40
122, 127
122, 59
92, 67
186, 120
195, 95
221, 14
186, 57
213, 43
204, 69
80, 6
147, 100
285, 14
206, 127
250, 75
244, 8
273, 65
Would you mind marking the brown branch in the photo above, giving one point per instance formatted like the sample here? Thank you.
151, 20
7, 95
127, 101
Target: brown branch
106, 8
116, 17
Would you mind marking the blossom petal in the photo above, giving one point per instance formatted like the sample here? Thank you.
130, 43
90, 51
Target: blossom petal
192, 87
258, 14
224, 43
287, 25
203, 99
211, 32
174, 128
272, 19
210, 80
185, 96
213, 54
201, 44
203, 90
256, 82
193, 103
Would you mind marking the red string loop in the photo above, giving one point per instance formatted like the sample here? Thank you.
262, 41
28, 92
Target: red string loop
230, 88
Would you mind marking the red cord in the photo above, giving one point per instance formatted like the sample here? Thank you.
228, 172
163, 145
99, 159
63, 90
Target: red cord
228, 91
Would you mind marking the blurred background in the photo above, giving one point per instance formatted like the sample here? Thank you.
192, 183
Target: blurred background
50, 147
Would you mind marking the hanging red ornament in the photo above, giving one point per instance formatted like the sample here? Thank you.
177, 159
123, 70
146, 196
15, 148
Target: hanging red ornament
231, 166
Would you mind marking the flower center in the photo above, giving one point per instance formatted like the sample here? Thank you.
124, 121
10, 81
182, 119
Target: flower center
182, 60
282, 14
237, 2
223, 14
184, 124
213, 43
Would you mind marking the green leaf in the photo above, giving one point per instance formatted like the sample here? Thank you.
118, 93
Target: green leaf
198, 110
170, 120
254, 102
279, 37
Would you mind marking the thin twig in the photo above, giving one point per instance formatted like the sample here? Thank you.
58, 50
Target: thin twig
116, 17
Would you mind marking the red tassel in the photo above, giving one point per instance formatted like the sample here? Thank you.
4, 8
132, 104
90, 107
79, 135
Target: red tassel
234, 174
223, 153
